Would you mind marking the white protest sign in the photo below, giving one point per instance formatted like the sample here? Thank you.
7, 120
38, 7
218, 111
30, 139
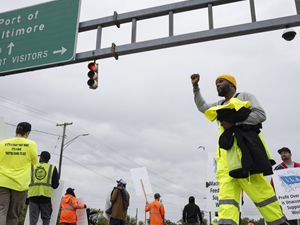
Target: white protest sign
55, 200
287, 186
107, 203
3, 134
137, 175
81, 213
212, 203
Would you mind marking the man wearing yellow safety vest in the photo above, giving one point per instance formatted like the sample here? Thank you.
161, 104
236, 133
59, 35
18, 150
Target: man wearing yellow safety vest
16, 156
44, 177
243, 159
214, 220
156, 211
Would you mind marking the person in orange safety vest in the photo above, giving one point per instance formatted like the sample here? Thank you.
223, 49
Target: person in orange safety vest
251, 222
156, 211
68, 206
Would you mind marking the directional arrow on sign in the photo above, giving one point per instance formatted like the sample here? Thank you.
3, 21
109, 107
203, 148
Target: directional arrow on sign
10, 47
62, 51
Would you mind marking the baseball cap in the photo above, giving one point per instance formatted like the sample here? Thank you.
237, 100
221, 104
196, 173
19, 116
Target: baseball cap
46, 155
285, 149
70, 191
24, 126
157, 195
121, 181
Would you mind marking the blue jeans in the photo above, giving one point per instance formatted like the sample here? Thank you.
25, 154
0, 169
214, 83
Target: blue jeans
114, 221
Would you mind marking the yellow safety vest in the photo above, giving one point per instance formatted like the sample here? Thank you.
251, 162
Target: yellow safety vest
231, 159
214, 221
234, 103
41, 180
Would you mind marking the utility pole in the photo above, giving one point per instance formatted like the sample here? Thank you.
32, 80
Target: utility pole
62, 146
136, 216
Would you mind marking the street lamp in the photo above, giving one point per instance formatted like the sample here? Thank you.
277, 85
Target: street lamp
70, 142
63, 147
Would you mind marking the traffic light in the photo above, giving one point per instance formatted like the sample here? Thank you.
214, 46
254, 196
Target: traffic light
93, 75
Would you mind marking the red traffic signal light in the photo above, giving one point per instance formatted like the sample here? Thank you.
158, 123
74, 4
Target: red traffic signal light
93, 75
92, 66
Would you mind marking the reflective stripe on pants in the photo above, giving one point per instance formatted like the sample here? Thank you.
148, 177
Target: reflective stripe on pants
257, 188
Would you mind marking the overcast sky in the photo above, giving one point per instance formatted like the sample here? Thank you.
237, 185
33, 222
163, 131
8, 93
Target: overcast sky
143, 113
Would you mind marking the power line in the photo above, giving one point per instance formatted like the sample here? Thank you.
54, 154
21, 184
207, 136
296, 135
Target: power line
118, 163
108, 177
39, 131
20, 105
101, 143
112, 149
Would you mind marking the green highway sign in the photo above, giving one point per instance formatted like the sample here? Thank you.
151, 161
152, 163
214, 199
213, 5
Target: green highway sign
39, 35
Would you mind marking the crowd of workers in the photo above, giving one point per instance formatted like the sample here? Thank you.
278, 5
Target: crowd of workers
242, 156
24, 179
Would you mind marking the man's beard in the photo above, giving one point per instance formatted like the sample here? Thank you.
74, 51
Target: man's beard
224, 90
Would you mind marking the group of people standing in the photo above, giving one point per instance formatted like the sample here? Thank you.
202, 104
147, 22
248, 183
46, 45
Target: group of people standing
24, 179
191, 214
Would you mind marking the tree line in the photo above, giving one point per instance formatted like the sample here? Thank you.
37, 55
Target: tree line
98, 219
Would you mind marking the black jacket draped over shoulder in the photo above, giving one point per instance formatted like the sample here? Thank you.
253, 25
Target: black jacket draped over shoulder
254, 157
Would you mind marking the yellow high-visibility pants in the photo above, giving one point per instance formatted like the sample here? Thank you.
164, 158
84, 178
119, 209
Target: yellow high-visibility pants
257, 188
